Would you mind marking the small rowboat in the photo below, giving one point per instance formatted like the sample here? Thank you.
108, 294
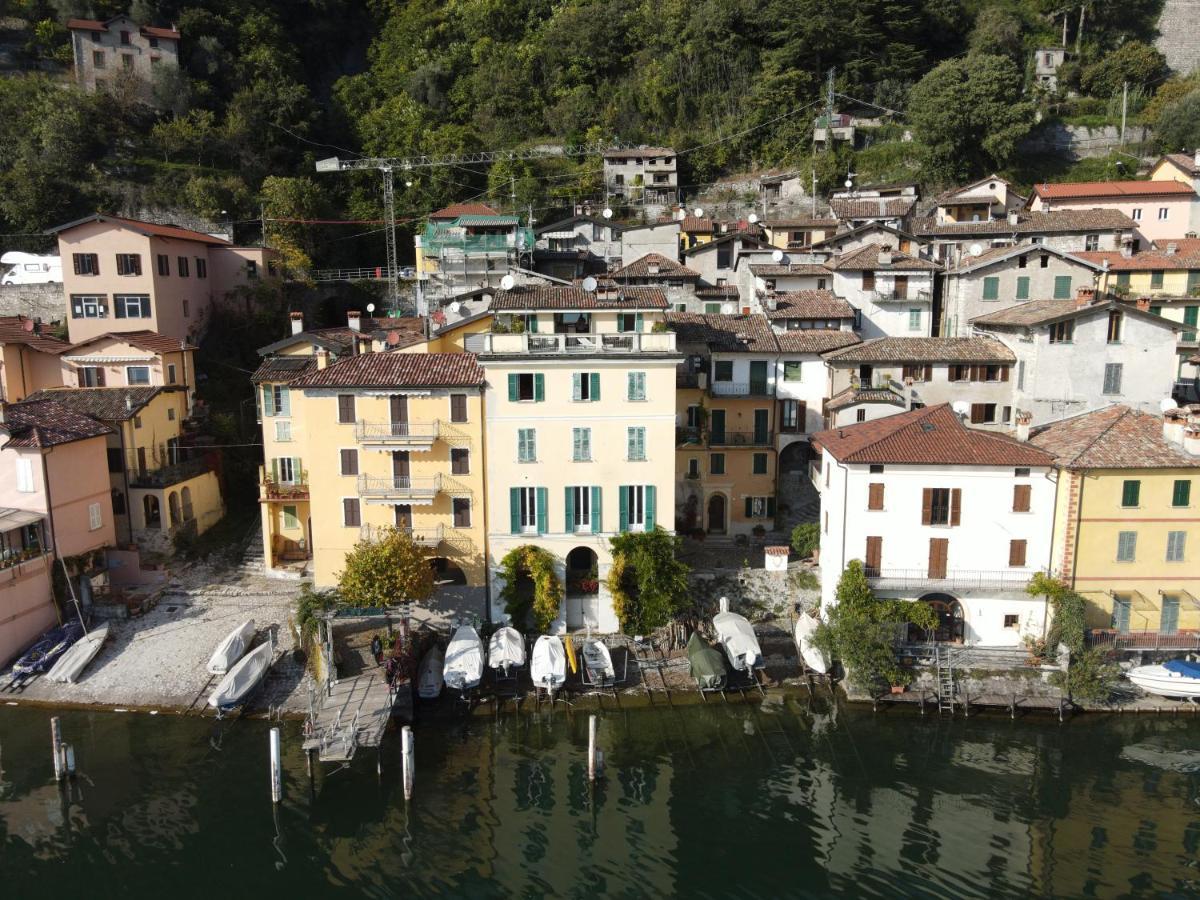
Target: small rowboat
230, 650
48, 648
736, 637
239, 681
429, 678
806, 630
706, 664
76, 658
597, 661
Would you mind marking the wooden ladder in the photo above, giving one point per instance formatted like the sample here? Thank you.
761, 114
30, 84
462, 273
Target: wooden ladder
945, 680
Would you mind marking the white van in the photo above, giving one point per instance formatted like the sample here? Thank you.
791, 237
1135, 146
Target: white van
26, 268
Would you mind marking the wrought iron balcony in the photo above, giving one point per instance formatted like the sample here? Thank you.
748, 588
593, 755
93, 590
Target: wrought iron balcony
165, 476
401, 487
399, 434
908, 296
422, 537
741, 389
536, 344
1110, 639
685, 435
275, 491
741, 438
953, 580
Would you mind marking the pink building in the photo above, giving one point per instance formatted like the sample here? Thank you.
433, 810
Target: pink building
29, 358
1161, 210
124, 275
55, 502
129, 359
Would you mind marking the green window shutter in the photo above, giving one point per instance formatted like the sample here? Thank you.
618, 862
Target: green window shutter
569, 508
576, 386
297, 470
285, 402
1156, 280
577, 443
1022, 287
543, 496
512, 388
650, 498
595, 392
587, 443
539, 387
624, 508
1120, 615
514, 509
1131, 493
620, 322
596, 526
637, 322
991, 288
531, 324
641, 443
1191, 316
770, 507
1062, 287
1169, 619
749, 507
629, 386
275, 470
631, 441
1182, 495
268, 400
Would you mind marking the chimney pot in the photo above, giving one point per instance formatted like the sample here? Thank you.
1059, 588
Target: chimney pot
322, 358
1084, 296
1013, 218
1143, 303
354, 319
1023, 421
1196, 157
297, 319
1172, 248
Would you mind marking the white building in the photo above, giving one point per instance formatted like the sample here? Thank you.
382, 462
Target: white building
954, 517
984, 200
642, 175
578, 246
893, 291
1070, 230
658, 237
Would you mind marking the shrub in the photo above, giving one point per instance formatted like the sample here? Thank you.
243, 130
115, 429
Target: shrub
386, 571
649, 586
530, 586
806, 537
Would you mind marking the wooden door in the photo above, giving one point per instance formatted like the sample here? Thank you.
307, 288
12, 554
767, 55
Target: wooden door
874, 556
716, 514
716, 426
902, 287
938, 548
762, 429
399, 464
399, 411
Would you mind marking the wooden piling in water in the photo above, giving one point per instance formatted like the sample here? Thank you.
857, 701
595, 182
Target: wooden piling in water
591, 748
276, 768
60, 769
407, 761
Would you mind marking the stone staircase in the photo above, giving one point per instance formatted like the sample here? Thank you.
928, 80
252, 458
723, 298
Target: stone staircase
253, 560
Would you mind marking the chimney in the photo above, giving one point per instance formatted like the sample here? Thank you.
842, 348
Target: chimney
297, 319
1172, 248
354, 319
885, 256
1014, 218
3, 417
1084, 296
322, 358
1023, 421
1191, 440
1196, 158
1143, 303
1127, 249
37, 326
1174, 421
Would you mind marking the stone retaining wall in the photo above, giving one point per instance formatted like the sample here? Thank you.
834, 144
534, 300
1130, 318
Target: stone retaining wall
44, 301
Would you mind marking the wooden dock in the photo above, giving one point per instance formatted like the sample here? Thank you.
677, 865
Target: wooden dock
351, 713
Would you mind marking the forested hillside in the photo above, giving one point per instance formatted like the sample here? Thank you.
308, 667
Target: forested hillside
268, 86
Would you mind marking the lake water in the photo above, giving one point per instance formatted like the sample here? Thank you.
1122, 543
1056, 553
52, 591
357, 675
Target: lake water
789, 798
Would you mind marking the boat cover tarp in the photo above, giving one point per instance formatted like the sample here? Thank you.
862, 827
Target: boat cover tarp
464, 659
1183, 667
736, 635
72, 663
706, 664
806, 630
506, 649
231, 649
242, 678
429, 677
548, 667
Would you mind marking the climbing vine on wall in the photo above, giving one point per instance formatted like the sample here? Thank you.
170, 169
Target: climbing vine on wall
542, 602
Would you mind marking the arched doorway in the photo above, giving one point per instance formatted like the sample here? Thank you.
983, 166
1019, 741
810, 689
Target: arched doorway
583, 576
716, 514
950, 625
173, 504
445, 573
151, 512
188, 512
795, 457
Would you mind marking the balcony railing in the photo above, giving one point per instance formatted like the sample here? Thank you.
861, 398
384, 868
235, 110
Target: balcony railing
685, 435
886, 296
398, 433
274, 491
577, 344
954, 580
741, 438
422, 537
741, 389
165, 476
399, 486
1143, 640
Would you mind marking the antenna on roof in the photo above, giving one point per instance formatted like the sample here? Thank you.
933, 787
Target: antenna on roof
455, 307
508, 282
589, 284
961, 407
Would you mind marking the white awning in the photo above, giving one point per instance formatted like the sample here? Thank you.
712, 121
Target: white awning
96, 360
559, 235
14, 518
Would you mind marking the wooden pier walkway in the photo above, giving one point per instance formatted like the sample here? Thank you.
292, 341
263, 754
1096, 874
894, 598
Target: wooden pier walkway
354, 712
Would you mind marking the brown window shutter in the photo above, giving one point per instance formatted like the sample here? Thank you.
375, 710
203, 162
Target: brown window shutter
1016, 553
349, 462
350, 512
926, 506
801, 417
937, 557
1021, 497
955, 505
978, 413
875, 496
1004, 373
929, 373
874, 555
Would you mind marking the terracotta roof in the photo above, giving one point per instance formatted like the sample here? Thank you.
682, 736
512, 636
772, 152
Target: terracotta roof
1056, 221
1035, 312
776, 270
697, 224
1086, 190
94, 25
454, 210
866, 228
150, 229
1116, 437
868, 258
86, 25
954, 192
873, 207
633, 152
810, 305
154, 31
802, 222
150, 341
283, 369
41, 422
724, 334
1186, 256
931, 436
852, 396
998, 254
1184, 161
109, 404
666, 268
719, 291
751, 238
385, 370
814, 340
564, 297
20, 330
925, 350
339, 339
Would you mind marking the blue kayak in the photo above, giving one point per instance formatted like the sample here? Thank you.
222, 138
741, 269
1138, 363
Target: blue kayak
49, 647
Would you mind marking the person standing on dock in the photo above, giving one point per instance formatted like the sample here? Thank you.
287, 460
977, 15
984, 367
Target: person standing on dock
377, 650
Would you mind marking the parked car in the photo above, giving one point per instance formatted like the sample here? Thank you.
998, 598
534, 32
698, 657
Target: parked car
408, 272
26, 268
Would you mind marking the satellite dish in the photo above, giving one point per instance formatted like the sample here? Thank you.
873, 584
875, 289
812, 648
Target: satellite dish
698, 212
508, 282
607, 213
961, 407
455, 307
393, 338
849, 182
975, 249
760, 284
589, 284
777, 255
370, 308
726, 309
1166, 404
753, 218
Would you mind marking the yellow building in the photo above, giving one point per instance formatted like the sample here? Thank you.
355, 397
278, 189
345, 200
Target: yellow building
798, 233
1126, 529
580, 432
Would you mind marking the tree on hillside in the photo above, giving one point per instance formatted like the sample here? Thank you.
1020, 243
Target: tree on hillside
1135, 62
1000, 31
386, 571
969, 116
649, 586
1179, 124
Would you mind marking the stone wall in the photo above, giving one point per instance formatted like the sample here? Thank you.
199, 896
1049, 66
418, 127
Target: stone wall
756, 593
44, 301
1079, 142
1178, 39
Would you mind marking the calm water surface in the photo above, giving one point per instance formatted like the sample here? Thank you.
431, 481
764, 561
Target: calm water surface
780, 800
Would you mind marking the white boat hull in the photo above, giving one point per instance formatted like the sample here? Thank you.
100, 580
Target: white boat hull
239, 681
548, 665
506, 650
1164, 683
598, 661
430, 679
463, 669
814, 659
232, 648
76, 658
736, 637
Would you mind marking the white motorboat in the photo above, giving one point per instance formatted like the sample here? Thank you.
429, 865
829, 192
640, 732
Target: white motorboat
430, 678
806, 629
736, 637
240, 680
76, 658
1174, 678
463, 667
548, 665
597, 660
506, 650
231, 649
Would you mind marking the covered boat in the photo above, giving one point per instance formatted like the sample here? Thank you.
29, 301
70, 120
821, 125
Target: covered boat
463, 667
47, 649
76, 657
230, 650
243, 678
548, 664
705, 664
429, 677
806, 630
736, 637
1174, 678
597, 661
506, 650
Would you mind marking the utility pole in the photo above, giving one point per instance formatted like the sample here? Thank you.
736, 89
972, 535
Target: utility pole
1124, 109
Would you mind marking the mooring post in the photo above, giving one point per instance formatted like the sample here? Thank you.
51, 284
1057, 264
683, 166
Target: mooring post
56, 748
591, 748
276, 768
407, 762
